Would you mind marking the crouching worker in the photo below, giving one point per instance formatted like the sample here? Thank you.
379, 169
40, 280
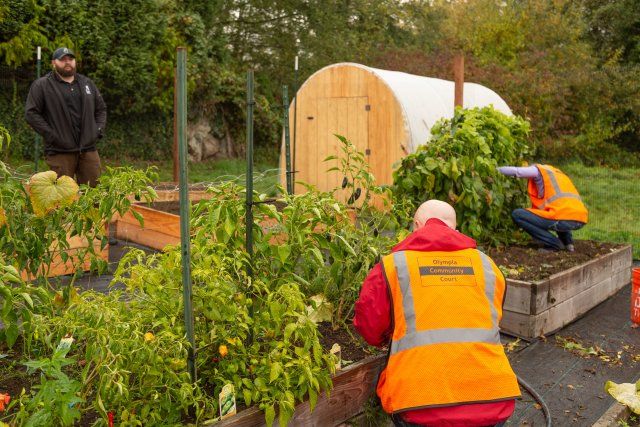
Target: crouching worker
556, 206
436, 301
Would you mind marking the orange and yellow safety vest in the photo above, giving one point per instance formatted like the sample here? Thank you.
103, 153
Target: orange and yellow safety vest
445, 348
560, 201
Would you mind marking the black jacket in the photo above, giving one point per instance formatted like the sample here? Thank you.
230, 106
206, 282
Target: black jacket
47, 113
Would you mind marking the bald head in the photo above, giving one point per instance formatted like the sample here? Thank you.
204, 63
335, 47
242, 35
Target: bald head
434, 209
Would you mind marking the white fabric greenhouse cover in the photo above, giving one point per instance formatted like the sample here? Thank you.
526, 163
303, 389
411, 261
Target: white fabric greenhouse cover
425, 100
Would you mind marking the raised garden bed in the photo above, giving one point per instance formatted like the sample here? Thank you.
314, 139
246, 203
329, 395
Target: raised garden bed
618, 415
59, 267
352, 387
161, 220
170, 192
160, 228
161, 223
541, 306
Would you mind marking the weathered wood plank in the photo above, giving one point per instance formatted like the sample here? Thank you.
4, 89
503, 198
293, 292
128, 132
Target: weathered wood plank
518, 324
531, 326
622, 259
151, 238
61, 268
568, 311
525, 297
518, 296
597, 270
566, 284
351, 389
572, 282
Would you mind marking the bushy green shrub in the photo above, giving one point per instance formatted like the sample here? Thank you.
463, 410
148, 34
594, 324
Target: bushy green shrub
459, 165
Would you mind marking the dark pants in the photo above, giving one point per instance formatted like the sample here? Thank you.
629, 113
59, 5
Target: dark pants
84, 167
539, 228
399, 422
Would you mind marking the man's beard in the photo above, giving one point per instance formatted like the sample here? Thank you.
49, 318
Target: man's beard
66, 70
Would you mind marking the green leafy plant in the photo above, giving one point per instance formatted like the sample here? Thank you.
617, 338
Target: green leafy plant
37, 221
357, 181
54, 401
459, 165
313, 240
252, 330
19, 303
129, 356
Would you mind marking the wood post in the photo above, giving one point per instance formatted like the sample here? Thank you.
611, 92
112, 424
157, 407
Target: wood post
458, 75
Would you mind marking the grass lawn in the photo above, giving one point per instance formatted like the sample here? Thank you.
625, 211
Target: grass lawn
613, 199
265, 176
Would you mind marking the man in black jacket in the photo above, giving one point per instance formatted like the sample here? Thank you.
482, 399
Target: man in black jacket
67, 109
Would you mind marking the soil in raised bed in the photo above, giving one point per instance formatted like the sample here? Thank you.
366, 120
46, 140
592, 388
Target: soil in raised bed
353, 348
528, 263
13, 376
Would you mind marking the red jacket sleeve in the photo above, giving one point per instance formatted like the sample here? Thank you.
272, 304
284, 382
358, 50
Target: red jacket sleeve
373, 309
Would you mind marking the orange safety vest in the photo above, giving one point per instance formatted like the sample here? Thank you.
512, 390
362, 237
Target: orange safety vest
445, 349
560, 201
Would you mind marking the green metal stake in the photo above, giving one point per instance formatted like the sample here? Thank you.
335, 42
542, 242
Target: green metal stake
295, 117
287, 142
249, 200
184, 206
36, 150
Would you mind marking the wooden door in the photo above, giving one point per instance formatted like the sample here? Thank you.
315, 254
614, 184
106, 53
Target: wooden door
343, 116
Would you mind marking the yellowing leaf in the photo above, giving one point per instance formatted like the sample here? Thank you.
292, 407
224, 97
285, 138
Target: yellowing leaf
323, 310
48, 192
513, 345
3, 217
624, 393
276, 370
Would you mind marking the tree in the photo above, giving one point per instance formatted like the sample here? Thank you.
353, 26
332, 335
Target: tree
614, 28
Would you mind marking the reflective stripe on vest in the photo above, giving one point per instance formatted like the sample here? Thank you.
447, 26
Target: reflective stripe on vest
413, 339
557, 193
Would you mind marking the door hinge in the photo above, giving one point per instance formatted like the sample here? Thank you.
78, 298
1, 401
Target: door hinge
367, 152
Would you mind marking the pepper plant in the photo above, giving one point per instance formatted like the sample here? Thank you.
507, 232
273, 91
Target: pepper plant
459, 165
39, 216
129, 356
311, 240
19, 303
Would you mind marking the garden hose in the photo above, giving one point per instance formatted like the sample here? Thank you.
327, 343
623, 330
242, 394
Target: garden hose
538, 398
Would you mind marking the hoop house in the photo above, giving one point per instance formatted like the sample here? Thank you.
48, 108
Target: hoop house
386, 114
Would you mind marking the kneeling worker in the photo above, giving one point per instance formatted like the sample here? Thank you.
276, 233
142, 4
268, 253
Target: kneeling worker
436, 301
556, 206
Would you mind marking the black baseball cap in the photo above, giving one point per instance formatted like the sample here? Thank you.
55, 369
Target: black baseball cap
62, 51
